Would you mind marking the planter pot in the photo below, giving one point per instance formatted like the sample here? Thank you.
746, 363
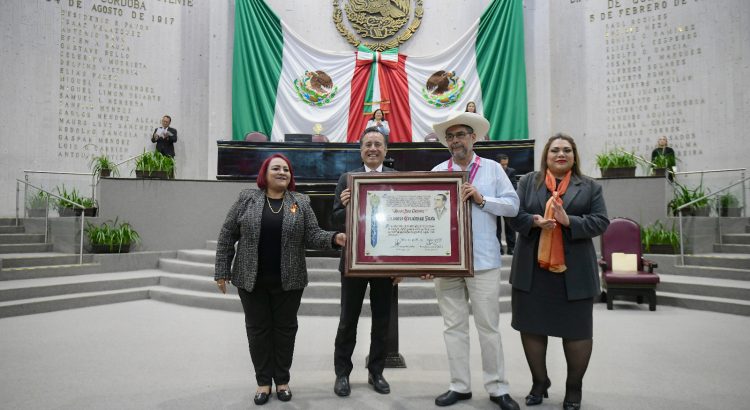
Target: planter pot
105, 173
86, 211
37, 212
106, 249
690, 211
152, 174
66, 212
659, 172
618, 172
664, 249
722, 212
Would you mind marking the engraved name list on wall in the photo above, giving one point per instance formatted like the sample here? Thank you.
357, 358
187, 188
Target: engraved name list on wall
652, 59
110, 93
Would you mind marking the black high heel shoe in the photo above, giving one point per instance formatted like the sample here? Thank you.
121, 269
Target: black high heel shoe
261, 398
284, 395
533, 399
569, 405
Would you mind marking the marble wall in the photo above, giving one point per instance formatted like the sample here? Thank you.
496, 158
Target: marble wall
84, 77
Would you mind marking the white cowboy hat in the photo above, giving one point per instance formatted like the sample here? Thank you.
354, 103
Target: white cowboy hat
479, 124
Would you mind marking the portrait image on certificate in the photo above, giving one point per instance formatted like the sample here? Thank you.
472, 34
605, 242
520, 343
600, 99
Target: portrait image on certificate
408, 224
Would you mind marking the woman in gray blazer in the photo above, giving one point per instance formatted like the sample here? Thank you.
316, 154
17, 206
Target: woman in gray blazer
272, 226
554, 273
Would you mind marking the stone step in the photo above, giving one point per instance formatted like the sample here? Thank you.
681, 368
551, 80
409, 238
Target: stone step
732, 248
707, 303
736, 238
186, 267
707, 272
10, 222
747, 228
11, 229
25, 248
198, 255
723, 260
21, 238
211, 245
309, 306
43, 260
720, 288
36, 272
70, 301
46, 287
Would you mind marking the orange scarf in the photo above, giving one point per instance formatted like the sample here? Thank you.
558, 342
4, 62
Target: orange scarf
551, 255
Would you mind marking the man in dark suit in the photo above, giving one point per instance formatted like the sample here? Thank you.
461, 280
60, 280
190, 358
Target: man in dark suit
165, 137
510, 234
373, 147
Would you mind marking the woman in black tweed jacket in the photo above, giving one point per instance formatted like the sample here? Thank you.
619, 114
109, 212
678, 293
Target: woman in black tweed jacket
272, 226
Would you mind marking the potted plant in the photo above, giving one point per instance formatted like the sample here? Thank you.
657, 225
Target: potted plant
684, 195
66, 208
154, 165
111, 237
104, 166
661, 163
657, 239
37, 204
729, 205
617, 163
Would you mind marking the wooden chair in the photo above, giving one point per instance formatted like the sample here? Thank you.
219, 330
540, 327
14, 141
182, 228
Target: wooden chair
624, 235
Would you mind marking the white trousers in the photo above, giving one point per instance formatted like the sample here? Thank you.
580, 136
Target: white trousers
453, 295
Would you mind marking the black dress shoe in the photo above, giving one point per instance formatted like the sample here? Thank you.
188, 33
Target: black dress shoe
284, 395
534, 399
569, 405
505, 402
341, 386
451, 397
378, 383
261, 398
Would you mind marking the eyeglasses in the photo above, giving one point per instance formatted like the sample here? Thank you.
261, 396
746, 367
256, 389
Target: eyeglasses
459, 136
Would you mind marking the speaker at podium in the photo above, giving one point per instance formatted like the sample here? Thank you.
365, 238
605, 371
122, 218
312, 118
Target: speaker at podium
298, 138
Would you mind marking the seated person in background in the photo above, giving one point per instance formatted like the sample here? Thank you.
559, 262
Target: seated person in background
378, 121
471, 106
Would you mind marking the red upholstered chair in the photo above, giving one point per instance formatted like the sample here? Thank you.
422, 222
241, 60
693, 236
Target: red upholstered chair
319, 138
256, 136
624, 235
431, 137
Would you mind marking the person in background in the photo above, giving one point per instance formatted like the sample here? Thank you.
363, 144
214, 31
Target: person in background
271, 227
471, 106
490, 194
510, 235
373, 147
164, 137
378, 121
554, 274
664, 154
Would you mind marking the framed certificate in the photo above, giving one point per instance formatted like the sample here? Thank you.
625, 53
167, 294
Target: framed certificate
408, 224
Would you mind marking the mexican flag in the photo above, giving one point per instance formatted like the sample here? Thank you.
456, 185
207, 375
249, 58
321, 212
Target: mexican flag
282, 85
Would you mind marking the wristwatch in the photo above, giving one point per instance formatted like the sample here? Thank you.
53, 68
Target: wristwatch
484, 201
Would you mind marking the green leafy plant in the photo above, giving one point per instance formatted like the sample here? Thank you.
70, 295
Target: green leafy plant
657, 234
616, 158
149, 162
73, 196
684, 195
111, 234
103, 163
664, 161
728, 200
38, 201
